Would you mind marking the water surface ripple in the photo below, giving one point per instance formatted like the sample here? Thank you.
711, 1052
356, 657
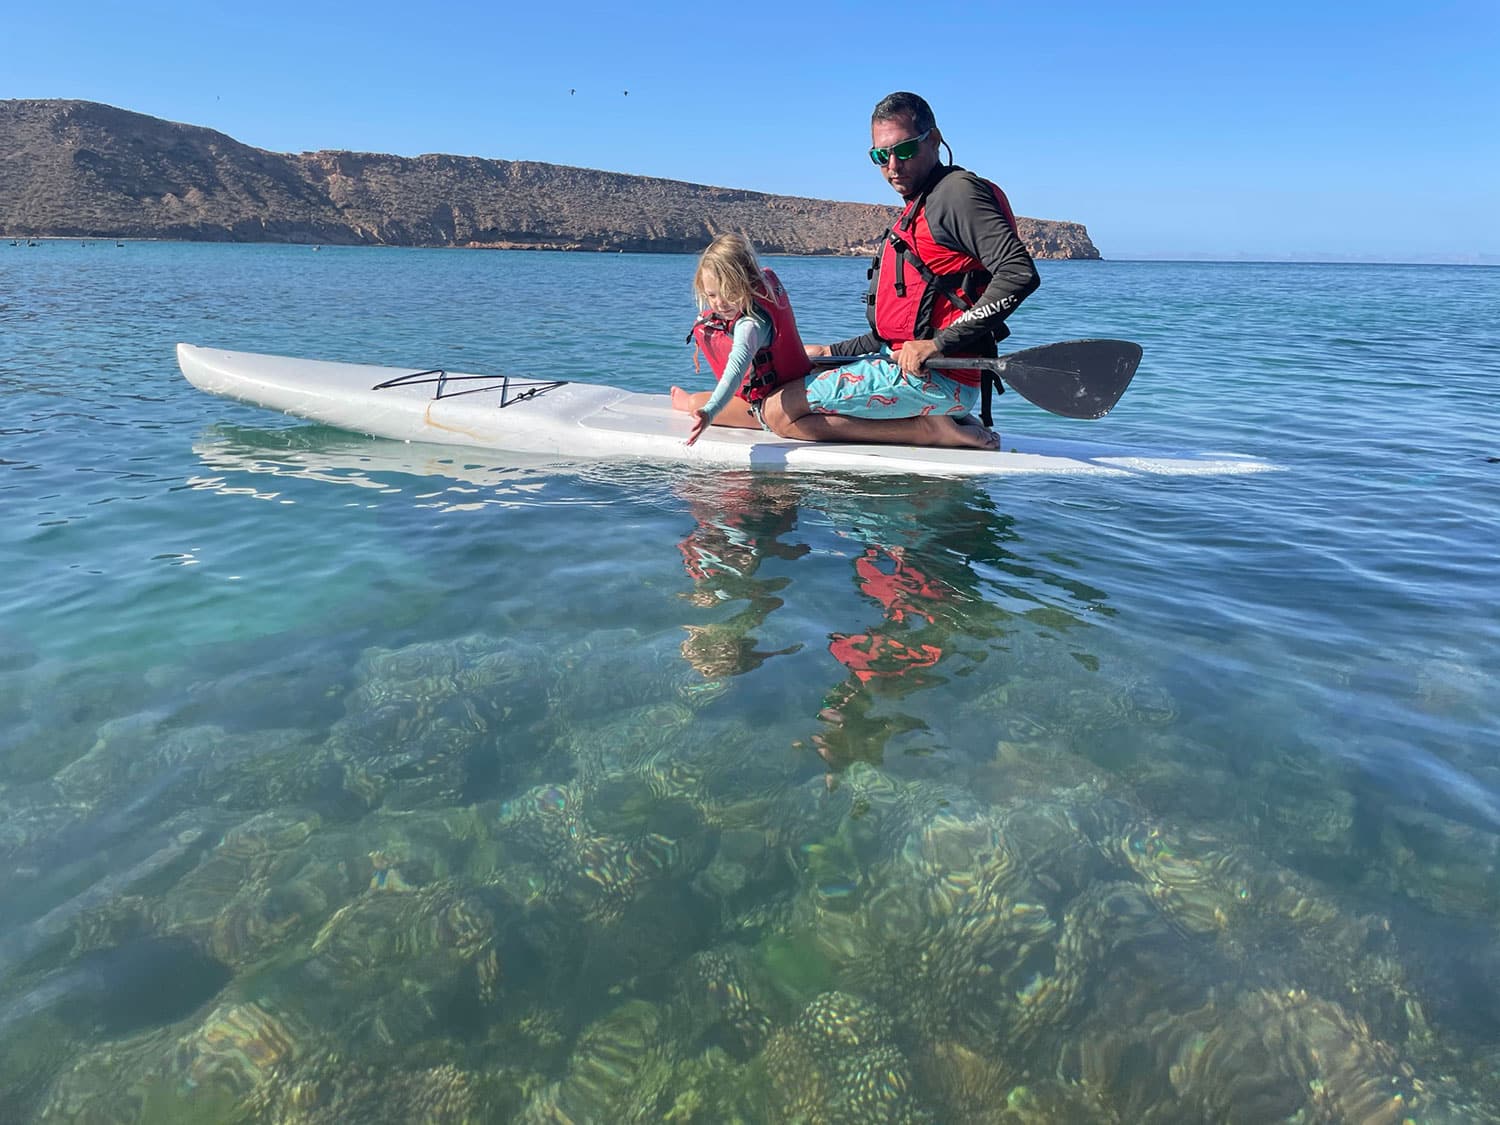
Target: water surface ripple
342, 779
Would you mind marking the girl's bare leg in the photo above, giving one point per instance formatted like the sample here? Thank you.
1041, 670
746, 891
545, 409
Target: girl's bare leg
736, 413
688, 400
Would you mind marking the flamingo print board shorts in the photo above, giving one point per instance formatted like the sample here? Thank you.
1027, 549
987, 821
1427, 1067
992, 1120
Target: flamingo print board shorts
876, 388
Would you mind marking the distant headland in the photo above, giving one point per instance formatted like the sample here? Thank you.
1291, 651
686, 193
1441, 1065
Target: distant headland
77, 169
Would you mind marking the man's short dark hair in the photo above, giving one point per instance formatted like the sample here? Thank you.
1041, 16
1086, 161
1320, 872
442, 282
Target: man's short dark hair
904, 104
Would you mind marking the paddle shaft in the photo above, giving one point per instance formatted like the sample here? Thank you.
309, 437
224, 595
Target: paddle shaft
1074, 378
937, 362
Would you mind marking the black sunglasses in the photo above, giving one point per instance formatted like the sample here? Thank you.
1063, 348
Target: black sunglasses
903, 150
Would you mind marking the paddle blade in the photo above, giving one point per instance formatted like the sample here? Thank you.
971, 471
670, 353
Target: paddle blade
1076, 378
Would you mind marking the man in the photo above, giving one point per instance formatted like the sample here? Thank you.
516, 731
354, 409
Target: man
948, 273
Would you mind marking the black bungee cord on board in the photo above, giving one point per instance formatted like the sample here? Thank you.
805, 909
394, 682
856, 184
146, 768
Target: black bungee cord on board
502, 383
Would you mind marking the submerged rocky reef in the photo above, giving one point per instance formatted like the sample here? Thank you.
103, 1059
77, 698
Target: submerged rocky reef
518, 883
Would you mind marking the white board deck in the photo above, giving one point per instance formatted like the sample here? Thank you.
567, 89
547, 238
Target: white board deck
586, 421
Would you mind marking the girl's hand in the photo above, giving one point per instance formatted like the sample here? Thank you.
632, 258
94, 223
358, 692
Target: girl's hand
701, 422
815, 350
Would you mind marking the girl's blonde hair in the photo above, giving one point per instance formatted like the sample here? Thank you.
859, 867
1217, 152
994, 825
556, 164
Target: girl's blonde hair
731, 260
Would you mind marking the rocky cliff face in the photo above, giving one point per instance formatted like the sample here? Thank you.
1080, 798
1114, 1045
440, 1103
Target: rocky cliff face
76, 169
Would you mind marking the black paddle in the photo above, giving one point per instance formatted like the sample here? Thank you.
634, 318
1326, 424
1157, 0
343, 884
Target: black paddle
1076, 378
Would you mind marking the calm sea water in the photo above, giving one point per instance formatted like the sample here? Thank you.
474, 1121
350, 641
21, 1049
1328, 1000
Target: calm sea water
348, 780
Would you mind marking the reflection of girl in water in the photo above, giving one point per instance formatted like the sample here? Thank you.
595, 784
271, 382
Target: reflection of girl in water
739, 525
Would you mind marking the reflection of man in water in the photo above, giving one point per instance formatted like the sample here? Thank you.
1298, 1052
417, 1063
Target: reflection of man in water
740, 523
889, 660
917, 546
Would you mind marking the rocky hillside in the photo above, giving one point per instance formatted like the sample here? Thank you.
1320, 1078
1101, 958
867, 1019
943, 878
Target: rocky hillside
76, 169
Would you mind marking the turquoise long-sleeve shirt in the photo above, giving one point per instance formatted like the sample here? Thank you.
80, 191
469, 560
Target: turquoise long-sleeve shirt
751, 333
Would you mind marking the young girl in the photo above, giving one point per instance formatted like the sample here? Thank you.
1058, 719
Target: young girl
748, 333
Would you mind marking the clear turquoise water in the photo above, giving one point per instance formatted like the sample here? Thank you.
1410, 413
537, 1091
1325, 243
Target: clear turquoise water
340, 777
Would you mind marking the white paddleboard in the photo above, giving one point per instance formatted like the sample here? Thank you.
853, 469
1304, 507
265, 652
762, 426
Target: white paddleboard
586, 421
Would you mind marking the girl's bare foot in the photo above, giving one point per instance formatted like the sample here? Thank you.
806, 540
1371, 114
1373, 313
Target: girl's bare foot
681, 399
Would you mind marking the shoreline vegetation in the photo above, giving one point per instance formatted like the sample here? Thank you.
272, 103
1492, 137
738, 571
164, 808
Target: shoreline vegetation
79, 170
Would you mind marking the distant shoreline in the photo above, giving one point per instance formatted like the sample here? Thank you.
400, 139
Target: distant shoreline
85, 170
15, 239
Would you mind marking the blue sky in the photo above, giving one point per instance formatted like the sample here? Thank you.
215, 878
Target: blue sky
1271, 130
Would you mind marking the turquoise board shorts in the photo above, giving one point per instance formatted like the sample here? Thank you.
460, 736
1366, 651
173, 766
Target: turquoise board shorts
876, 388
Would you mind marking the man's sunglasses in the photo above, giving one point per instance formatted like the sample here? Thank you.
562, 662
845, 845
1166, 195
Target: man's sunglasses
903, 151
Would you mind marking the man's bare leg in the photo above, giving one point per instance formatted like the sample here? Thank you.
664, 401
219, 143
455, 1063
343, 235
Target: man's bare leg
789, 415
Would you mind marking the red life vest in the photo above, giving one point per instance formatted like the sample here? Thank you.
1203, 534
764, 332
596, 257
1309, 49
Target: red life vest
923, 286
783, 360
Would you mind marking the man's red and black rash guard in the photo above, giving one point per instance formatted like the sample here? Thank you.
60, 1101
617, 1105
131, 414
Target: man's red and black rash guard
963, 214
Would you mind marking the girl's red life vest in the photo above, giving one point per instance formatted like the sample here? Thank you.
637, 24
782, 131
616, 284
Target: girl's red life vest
783, 360
923, 286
